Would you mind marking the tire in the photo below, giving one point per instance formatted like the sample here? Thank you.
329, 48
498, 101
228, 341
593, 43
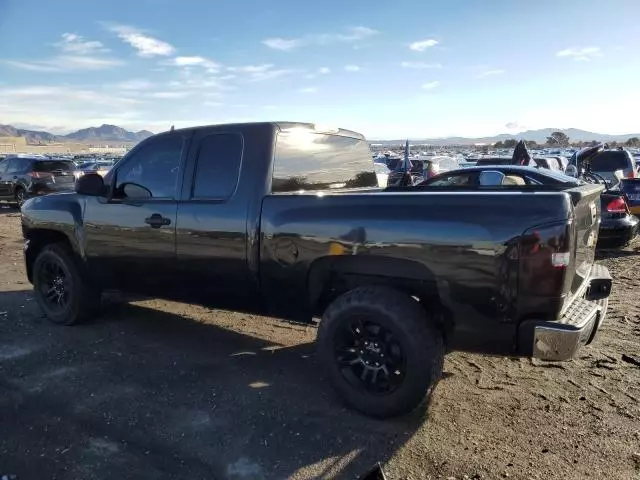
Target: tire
20, 196
81, 301
405, 327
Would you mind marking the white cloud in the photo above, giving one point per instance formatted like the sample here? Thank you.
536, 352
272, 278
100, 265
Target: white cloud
431, 85
65, 63
324, 70
73, 107
421, 65
584, 54
75, 44
170, 95
195, 61
422, 45
213, 104
351, 68
308, 90
515, 126
490, 73
283, 43
351, 34
252, 68
134, 84
145, 45
76, 53
270, 74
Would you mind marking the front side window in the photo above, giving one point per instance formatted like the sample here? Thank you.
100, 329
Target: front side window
154, 166
218, 166
306, 161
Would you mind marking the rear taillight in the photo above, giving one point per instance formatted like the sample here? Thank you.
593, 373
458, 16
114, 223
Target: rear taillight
41, 175
632, 174
617, 205
545, 256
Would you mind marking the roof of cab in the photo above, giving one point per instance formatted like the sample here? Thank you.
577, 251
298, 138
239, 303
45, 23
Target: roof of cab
281, 126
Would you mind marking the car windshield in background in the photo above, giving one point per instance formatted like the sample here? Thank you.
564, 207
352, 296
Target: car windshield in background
51, 166
611, 161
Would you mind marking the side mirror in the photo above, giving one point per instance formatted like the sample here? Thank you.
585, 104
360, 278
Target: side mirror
90, 184
491, 178
135, 191
571, 171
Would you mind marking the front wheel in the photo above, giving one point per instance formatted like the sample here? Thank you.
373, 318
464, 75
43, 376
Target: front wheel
382, 351
21, 197
60, 288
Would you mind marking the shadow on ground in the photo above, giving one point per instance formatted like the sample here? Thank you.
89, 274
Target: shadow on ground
142, 393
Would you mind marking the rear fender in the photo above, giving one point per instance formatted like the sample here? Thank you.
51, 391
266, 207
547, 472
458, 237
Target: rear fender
345, 272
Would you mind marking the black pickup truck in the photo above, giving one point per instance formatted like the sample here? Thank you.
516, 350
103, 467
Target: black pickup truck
286, 219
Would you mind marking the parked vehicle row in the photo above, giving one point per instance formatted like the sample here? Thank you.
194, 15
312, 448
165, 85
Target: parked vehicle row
26, 176
288, 220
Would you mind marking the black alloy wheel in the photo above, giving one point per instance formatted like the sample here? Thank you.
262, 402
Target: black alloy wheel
62, 287
381, 349
369, 356
54, 285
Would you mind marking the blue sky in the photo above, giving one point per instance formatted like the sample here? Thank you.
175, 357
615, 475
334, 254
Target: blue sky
386, 69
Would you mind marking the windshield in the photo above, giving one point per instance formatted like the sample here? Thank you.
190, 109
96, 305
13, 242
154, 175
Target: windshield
608, 161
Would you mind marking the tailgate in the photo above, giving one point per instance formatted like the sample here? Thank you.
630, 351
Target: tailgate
585, 224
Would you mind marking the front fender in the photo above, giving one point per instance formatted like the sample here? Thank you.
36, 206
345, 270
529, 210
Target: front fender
60, 214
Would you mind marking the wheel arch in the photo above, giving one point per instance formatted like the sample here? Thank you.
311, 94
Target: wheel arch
38, 239
332, 275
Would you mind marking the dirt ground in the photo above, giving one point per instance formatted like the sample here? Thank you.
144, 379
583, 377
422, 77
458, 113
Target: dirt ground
156, 389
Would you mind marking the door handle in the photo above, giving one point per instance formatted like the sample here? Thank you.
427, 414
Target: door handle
156, 221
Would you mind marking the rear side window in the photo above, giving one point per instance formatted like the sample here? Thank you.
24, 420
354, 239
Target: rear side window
611, 161
218, 166
307, 161
53, 166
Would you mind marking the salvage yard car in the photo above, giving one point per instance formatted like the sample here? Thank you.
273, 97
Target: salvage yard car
618, 225
286, 219
22, 177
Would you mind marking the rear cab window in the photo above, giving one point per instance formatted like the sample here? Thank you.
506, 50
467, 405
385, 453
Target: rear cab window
307, 160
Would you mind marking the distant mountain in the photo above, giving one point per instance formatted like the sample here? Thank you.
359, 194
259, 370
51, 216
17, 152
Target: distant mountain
102, 134
107, 133
539, 136
33, 136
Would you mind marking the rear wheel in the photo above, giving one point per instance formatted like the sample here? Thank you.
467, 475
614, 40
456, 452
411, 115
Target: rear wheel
20, 196
61, 289
383, 353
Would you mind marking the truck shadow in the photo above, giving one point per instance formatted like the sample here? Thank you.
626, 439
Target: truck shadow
165, 396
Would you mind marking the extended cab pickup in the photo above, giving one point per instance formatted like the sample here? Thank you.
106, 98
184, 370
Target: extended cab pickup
286, 219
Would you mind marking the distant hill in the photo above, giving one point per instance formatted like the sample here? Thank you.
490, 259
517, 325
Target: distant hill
539, 136
33, 136
107, 133
102, 134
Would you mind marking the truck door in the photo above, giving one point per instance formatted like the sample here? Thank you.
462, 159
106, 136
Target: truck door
130, 239
211, 233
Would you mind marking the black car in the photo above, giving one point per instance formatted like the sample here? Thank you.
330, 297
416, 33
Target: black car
617, 227
25, 177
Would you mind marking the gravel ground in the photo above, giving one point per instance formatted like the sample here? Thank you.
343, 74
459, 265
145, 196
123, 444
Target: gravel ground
157, 389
